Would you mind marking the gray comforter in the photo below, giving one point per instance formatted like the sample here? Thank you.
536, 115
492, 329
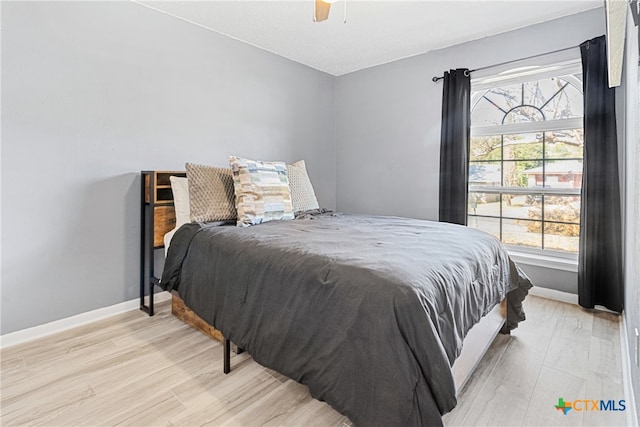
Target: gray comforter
368, 312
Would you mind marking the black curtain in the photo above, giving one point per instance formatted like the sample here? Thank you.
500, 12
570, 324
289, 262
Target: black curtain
454, 146
600, 277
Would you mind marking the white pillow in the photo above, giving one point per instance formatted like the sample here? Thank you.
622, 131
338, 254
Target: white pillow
180, 188
167, 240
303, 197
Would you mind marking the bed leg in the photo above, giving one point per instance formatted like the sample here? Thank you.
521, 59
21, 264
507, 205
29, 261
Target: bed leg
504, 330
227, 356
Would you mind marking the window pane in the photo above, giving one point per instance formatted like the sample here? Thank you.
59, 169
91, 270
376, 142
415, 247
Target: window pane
537, 92
486, 174
562, 173
489, 225
522, 232
529, 174
485, 148
561, 237
518, 205
567, 103
562, 209
563, 144
523, 174
484, 204
523, 146
484, 113
505, 97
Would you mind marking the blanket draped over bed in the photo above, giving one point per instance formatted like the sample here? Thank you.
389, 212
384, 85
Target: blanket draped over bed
369, 312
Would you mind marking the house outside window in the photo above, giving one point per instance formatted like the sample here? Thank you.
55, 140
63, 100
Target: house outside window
526, 158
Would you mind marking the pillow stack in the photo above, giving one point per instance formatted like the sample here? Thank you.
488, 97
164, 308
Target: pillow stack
250, 192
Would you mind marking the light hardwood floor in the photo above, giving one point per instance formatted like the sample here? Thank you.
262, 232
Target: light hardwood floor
136, 370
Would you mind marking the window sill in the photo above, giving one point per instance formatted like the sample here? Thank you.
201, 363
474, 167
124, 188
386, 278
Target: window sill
544, 260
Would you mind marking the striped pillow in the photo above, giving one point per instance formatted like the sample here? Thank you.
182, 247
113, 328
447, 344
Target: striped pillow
262, 191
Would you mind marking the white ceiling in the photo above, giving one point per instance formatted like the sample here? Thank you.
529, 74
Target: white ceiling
376, 32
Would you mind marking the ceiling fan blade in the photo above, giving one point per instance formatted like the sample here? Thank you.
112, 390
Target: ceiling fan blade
322, 11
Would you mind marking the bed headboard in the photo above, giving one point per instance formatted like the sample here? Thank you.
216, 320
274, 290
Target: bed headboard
158, 213
157, 217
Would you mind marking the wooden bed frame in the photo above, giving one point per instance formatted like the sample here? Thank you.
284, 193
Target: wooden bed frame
475, 345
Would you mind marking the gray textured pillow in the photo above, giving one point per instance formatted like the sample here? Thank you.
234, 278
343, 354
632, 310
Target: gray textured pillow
211, 194
303, 197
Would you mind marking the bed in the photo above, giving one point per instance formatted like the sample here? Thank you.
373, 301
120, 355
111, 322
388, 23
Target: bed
384, 318
369, 312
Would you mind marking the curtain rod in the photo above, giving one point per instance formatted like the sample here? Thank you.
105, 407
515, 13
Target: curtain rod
435, 79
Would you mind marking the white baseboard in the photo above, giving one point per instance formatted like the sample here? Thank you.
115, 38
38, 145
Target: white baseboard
627, 380
561, 296
29, 334
554, 295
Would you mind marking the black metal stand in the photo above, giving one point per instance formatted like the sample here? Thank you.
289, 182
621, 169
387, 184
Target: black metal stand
147, 278
148, 308
504, 330
227, 356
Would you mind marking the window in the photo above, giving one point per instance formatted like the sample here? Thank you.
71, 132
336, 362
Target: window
525, 160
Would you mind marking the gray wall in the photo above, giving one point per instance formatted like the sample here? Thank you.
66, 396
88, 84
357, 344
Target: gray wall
94, 92
630, 91
388, 117
388, 123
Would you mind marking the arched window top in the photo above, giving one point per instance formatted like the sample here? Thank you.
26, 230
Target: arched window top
523, 114
539, 100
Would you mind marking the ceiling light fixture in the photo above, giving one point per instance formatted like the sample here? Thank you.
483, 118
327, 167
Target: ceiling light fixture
321, 10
